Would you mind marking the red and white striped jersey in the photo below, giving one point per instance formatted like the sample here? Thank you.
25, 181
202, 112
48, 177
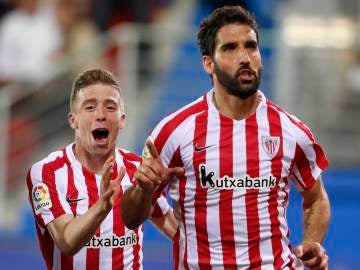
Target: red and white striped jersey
231, 204
59, 185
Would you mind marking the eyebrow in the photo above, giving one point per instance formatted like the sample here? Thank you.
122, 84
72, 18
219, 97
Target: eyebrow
229, 44
90, 100
251, 42
94, 100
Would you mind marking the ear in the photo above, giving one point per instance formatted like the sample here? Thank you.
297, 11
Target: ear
72, 120
208, 64
122, 121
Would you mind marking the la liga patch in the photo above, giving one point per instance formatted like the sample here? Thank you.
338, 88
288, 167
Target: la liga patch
145, 153
41, 197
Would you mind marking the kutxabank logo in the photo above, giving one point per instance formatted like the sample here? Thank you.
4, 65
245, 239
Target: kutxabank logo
228, 183
113, 241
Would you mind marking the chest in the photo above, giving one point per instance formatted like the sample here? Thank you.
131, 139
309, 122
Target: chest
82, 190
238, 150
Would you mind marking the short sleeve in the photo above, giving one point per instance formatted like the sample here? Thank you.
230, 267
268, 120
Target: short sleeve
309, 159
161, 206
45, 196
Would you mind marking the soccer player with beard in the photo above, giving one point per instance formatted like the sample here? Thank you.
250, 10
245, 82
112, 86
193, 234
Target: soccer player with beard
76, 192
239, 151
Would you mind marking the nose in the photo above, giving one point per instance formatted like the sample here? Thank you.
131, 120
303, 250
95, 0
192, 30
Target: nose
100, 114
244, 57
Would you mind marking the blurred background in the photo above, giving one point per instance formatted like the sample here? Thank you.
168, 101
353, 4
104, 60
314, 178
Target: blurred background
311, 57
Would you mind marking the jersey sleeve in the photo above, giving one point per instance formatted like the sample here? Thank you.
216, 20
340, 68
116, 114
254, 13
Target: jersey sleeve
47, 200
161, 206
309, 158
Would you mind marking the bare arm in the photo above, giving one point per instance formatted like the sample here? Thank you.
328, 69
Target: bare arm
70, 234
136, 206
316, 213
167, 224
316, 220
141, 209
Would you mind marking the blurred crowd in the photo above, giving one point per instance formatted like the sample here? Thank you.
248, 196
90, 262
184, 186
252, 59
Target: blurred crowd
34, 34
39, 37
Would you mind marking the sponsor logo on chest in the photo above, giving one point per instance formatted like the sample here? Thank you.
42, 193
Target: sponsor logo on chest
209, 181
114, 241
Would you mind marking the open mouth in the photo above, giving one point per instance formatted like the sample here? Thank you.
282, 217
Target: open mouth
100, 134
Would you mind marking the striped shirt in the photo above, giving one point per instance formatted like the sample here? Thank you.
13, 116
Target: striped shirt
231, 204
60, 185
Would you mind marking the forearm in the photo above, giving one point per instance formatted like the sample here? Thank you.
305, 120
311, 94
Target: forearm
136, 206
167, 224
316, 220
71, 234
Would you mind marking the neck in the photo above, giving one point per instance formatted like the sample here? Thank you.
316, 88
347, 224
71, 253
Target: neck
92, 162
235, 107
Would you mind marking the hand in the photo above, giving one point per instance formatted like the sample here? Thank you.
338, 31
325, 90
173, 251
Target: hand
152, 173
312, 255
110, 188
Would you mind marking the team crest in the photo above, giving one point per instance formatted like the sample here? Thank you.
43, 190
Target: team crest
271, 145
41, 197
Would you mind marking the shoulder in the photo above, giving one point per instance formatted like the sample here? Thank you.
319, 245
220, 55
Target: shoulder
130, 161
128, 156
177, 119
42, 173
291, 122
51, 161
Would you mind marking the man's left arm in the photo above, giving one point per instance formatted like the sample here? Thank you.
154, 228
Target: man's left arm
316, 207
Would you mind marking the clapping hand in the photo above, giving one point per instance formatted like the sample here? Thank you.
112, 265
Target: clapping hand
110, 188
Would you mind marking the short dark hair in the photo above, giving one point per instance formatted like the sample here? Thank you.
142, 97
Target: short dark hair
218, 18
91, 77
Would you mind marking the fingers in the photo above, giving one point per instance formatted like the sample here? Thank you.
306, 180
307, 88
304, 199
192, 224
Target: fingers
108, 193
121, 174
149, 176
176, 171
144, 181
299, 251
152, 149
324, 264
151, 172
112, 191
153, 165
107, 171
115, 183
312, 255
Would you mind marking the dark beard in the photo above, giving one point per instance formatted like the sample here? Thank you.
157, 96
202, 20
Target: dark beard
235, 87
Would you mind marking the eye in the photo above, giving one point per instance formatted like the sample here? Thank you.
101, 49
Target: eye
252, 45
89, 107
229, 47
111, 108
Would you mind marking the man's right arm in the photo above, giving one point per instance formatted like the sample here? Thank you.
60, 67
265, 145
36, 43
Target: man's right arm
71, 233
136, 205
